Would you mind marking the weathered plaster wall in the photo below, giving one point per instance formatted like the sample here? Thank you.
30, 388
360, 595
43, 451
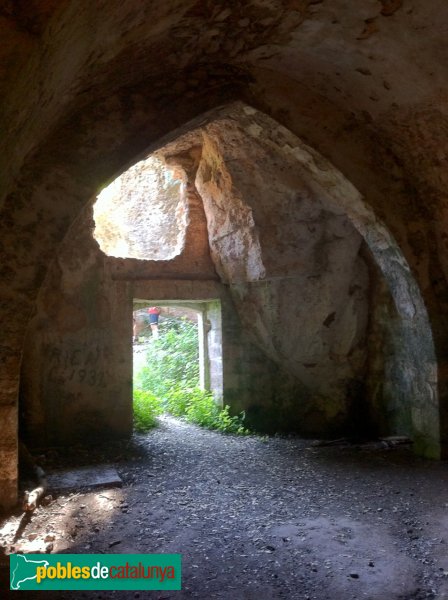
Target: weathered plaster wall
389, 381
396, 354
76, 383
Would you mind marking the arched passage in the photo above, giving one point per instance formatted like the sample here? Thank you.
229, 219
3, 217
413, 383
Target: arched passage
339, 198
285, 224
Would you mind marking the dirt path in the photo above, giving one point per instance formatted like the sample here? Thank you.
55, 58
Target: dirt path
263, 519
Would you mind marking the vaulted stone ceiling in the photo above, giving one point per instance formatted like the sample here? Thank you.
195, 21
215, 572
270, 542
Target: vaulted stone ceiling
375, 63
367, 86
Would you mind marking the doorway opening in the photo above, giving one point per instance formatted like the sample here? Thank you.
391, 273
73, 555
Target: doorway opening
166, 349
177, 364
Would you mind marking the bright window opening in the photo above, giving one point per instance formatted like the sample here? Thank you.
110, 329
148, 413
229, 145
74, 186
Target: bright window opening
143, 213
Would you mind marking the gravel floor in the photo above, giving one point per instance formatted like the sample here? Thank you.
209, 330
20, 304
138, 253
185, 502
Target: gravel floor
258, 518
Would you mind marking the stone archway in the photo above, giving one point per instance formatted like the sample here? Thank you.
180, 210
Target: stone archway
285, 227
339, 198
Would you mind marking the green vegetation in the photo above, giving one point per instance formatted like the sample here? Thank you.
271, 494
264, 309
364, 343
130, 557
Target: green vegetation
147, 407
170, 382
172, 360
198, 406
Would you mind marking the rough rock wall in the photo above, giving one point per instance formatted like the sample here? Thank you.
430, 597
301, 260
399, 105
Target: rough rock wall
193, 262
295, 274
340, 197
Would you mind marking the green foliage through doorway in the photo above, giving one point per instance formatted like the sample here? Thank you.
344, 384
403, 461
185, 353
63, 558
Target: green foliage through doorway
169, 382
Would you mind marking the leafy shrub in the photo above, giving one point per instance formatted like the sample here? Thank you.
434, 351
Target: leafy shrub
198, 406
227, 423
172, 359
177, 400
146, 409
202, 409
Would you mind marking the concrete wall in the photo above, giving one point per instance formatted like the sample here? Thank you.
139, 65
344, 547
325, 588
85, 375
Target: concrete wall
215, 343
